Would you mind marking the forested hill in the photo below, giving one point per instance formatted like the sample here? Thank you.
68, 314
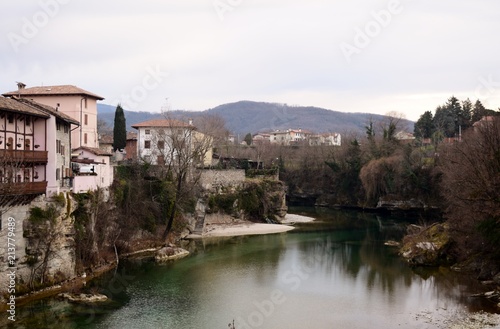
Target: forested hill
247, 116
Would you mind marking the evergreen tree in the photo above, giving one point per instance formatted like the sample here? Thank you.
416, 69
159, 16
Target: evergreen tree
478, 111
119, 130
466, 114
424, 127
248, 139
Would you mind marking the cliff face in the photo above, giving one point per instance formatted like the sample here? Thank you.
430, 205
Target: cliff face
256, 201
42, 241
229, 196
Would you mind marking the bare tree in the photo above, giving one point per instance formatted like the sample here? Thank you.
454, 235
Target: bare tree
471, 185
178, 149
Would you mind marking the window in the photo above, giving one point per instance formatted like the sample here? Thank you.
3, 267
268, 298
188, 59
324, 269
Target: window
147, 131
58, 125
58, 146
85, 138
10, 117
85, 102
10, 143
161, 145
66, 128
27, 144
147, 144
86, 118
28, 121
58, 174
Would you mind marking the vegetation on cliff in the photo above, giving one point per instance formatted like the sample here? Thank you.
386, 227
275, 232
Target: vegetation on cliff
256, 200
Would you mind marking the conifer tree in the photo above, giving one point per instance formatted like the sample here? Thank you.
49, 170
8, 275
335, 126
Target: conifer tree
119, 130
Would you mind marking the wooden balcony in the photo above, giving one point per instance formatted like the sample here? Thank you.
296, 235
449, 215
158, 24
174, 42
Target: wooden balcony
26, 188
23, 156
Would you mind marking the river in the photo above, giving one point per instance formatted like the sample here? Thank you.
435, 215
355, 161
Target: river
335, 272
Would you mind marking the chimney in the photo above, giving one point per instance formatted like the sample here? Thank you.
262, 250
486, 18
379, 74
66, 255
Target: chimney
20, 85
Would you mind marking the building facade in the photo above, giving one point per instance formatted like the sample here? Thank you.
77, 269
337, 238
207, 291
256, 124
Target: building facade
35, 147
92, 169
77, 103
162, 141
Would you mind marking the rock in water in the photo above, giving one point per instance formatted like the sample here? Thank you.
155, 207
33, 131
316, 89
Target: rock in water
428, 247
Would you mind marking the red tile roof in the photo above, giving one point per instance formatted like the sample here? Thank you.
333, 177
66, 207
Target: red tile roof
53, 90
14, 105
93, 150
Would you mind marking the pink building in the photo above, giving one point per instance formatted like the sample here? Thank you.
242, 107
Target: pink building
91, 169
79, 104
35, 149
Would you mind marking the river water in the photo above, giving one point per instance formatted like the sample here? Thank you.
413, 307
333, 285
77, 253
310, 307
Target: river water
332, 273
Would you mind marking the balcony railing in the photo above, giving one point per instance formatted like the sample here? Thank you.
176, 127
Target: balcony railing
23, 156
23, 188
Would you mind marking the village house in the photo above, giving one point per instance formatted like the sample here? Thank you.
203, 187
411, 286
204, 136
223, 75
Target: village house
106, 142
131, 146
261, 138
329, 139
130, 151
289, 136
35, 148
484, 122
79, 104
160, 141
92, 169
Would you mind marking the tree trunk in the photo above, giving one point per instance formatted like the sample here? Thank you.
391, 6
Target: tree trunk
174, 208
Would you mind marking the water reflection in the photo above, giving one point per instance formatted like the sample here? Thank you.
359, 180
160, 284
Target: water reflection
333, 273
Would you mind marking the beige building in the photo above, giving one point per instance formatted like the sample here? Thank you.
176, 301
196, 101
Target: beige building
79, 104
162, 141
289, 136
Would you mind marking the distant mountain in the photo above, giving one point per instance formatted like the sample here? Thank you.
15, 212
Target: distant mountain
106, 113
251, 117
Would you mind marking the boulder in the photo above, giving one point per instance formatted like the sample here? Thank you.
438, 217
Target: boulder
170, 253
85, 298
429, 247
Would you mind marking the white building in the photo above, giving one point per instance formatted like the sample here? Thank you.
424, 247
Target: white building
162, 141
155, 138
289, 136
329, 139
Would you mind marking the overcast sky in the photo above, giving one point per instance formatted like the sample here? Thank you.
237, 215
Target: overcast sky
355, 56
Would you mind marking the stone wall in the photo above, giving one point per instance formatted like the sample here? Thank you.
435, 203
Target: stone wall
214, 180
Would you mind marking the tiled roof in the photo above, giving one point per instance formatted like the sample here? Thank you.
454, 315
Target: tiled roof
50, 110
53, 90
162, 123
15, 105
93, 150
131, 135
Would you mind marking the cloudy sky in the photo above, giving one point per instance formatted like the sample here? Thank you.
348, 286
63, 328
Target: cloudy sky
354, 56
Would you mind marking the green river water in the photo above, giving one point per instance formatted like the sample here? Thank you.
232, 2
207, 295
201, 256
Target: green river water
331, 273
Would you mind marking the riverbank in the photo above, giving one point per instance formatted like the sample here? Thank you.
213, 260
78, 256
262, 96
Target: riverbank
238, 228
69, 285
459, 319
226, 230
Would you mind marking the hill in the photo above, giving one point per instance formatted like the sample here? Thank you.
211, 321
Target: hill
247, 116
